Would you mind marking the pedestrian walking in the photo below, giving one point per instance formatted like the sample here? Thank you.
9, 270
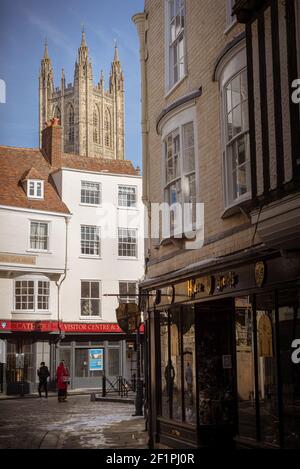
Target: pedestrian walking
62, 377
43, 374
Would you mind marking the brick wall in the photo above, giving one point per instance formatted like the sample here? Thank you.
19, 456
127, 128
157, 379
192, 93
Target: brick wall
205, 39
52, 142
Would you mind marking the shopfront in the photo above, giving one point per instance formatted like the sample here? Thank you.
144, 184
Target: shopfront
226, 369
88, 350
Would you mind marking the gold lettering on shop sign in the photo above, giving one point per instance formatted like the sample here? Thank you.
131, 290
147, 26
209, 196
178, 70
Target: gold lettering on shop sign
15, 259
228, 280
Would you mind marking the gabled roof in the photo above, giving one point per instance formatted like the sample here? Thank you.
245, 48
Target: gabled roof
32, 173
17, 163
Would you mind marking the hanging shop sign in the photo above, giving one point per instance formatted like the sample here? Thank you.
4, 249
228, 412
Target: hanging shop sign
128, 317
260, 273
96, 359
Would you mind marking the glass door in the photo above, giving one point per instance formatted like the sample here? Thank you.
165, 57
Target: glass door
215, 365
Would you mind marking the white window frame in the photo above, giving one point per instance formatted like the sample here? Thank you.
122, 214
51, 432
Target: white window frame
120, 256
125, 298
99, 192
86, 317
36, 281
230, 200
38, 186
182, 117
135, 193
231, 20
98, 233
170, 82
44, 222
234, 62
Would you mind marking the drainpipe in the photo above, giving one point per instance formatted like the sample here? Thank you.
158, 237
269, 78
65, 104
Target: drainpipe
141, 23
60, 282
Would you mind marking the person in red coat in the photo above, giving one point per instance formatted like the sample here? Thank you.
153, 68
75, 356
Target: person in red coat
62, 376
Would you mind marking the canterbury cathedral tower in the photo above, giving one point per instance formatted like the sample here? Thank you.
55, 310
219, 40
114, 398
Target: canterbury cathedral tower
92, 117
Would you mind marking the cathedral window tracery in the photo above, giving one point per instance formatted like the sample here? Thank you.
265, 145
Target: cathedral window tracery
71, 123
107, 129
96, 125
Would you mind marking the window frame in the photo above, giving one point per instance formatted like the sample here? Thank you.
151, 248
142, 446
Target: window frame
98, 233
178, 121
35, 281
44, 222
231, 20
231, 65
170, 82
90, 204
229, 201
123, 298
90, 281
135, 194
120, 256
35, 183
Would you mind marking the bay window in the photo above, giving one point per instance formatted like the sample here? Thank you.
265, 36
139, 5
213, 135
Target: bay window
180, 177
237, 149
32, 295
231, 73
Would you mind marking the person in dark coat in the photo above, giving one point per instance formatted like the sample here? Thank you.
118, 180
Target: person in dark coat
43, 374
62, 376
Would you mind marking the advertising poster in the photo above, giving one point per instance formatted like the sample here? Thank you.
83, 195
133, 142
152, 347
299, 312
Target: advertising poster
96, 359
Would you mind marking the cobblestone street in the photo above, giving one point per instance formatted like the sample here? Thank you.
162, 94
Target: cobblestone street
78, 423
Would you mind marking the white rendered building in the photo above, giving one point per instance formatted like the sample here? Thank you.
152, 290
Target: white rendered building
71, 233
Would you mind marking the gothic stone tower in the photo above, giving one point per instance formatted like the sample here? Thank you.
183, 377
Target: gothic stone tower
92, 117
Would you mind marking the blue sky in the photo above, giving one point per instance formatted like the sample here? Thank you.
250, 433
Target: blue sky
24, 24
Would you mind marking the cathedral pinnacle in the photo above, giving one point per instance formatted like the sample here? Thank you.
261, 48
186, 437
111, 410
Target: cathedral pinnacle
83, 40
116, 56
46, 53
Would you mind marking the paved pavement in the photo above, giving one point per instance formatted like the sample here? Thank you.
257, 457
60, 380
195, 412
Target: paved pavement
77, 423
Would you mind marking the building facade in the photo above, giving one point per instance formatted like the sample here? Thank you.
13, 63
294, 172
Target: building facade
220, 129
92, 117
71, 250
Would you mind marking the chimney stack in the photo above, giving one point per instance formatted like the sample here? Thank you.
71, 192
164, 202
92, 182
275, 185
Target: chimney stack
51, 142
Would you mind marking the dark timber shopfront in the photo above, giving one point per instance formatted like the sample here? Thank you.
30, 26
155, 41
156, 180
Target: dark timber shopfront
222, 369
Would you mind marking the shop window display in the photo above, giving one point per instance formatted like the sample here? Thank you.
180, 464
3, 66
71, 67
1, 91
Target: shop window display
82, 368
189, 364
164, 356
178, 364
267, 368
173, 370
245, 367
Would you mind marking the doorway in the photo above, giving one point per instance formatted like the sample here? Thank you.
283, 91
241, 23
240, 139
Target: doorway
215, 370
